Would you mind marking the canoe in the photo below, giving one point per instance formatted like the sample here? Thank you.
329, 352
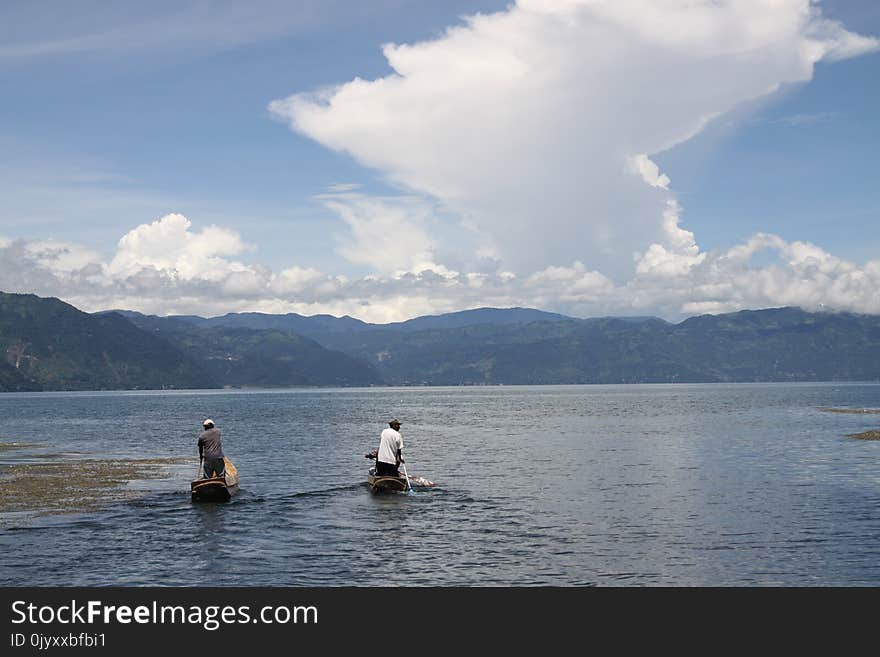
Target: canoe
385, 483
216, 489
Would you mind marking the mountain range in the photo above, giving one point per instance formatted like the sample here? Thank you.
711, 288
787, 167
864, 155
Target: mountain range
46, 344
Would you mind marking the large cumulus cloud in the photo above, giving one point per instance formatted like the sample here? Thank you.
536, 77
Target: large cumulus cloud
535, 125
522, 142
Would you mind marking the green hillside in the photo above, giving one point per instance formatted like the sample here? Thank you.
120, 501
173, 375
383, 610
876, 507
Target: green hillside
47, 344
785, 344
251, 357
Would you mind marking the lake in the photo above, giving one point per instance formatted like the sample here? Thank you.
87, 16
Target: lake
624, 485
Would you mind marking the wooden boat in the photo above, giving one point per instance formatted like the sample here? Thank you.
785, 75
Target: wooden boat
216, 489
397, 484
385, 483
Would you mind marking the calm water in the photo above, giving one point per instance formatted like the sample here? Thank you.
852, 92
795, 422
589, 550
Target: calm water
569, 485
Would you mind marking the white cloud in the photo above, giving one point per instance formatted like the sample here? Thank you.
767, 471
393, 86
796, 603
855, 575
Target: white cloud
671, 283
168, 244
649, 171
536, 124
525, 141
341, 188
61, 258
801, 274
679, 256
295, 280
565, 285
391, 236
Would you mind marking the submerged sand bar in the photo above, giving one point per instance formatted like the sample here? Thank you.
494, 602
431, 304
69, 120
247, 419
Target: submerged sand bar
57, 484
867, 435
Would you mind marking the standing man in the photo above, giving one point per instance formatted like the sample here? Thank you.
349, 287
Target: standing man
211, 450
390, 454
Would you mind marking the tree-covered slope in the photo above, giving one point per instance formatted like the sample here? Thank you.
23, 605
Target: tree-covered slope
46, 344
785, 344
250, 357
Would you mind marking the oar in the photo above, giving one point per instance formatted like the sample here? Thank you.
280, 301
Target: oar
409, 488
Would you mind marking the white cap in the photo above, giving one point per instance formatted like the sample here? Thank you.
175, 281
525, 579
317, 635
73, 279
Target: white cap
207, 422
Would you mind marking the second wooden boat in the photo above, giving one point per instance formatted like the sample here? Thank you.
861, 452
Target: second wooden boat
216, 489
385, 483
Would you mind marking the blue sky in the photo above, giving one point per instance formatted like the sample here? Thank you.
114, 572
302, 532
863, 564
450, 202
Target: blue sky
180, 124
801, 164
490, 168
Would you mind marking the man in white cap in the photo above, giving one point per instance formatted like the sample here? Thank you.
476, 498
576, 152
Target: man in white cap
390, 454
211, 450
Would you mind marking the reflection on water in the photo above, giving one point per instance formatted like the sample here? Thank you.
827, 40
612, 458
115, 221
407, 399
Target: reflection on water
568, 485
208, 540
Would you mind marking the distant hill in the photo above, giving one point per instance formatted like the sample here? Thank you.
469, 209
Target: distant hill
785, 344
13, 380
237, 356
475, 317
318, 326
46, 344
291, 322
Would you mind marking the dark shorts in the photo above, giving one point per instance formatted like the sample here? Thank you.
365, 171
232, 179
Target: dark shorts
215, 465
386, 469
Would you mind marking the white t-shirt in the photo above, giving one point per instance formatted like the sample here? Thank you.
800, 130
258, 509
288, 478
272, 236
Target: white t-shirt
389, 443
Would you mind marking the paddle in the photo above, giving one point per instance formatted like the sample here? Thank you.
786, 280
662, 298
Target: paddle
409, 488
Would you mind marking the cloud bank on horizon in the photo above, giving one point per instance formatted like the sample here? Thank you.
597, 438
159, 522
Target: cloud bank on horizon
522, 144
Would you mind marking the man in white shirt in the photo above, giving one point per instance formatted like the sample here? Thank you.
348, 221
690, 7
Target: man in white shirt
389, 457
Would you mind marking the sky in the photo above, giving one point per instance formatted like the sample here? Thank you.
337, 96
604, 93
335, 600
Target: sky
396, 158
